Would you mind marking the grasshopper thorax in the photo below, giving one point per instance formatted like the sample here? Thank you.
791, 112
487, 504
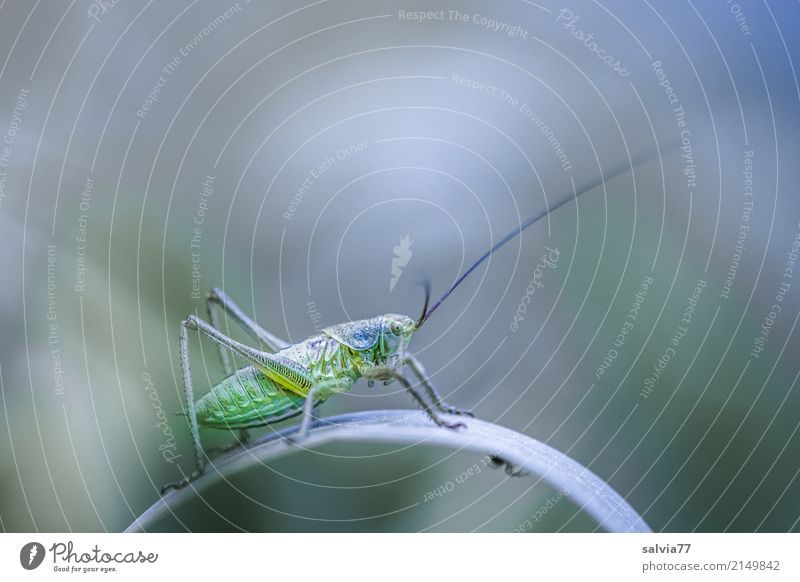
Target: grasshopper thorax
379, 342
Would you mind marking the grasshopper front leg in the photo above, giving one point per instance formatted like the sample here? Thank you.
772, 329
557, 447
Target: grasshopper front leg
422, 376
425, 406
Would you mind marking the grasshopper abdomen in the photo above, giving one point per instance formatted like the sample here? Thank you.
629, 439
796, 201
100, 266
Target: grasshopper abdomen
246, 398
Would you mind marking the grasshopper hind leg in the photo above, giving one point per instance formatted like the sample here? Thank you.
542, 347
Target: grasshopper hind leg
217, 298
241, 440
191, 415
225, 343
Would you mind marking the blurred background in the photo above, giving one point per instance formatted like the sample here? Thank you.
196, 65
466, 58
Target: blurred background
294, 154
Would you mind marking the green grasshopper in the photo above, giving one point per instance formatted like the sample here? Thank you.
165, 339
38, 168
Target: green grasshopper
287, 380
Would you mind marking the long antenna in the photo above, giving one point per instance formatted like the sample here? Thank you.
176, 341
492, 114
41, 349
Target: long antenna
590, 185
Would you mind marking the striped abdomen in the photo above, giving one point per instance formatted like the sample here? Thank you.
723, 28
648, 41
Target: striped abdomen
246, 398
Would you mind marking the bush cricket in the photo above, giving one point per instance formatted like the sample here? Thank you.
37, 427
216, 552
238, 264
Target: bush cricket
288, 380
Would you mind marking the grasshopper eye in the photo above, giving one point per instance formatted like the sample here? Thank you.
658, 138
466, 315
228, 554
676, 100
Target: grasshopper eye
395, 328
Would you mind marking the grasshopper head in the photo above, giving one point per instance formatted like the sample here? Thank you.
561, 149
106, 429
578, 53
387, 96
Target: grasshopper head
395, 335
390, 335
